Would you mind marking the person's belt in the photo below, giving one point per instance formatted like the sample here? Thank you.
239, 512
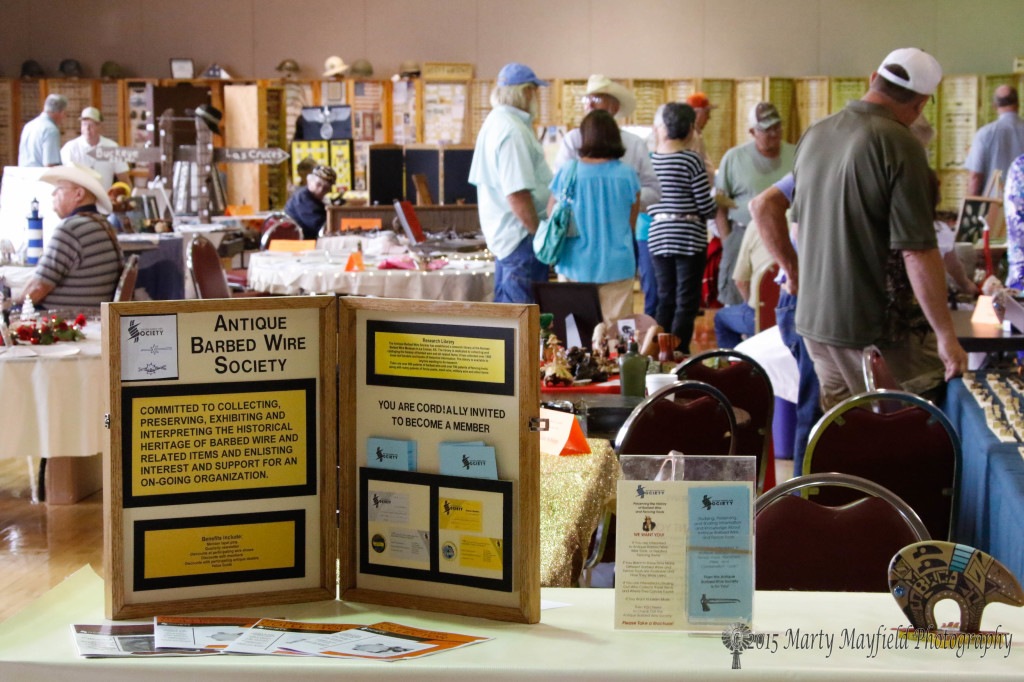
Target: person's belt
662, 217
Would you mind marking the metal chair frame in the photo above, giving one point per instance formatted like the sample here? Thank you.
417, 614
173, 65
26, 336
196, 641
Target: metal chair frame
756, 368
867, 400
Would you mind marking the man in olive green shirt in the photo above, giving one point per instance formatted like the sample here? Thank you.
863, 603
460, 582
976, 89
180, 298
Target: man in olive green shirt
866, 242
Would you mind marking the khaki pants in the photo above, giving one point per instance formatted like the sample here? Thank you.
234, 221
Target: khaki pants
915, 365
616, 298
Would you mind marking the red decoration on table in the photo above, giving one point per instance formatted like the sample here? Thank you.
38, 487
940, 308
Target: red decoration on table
49, 331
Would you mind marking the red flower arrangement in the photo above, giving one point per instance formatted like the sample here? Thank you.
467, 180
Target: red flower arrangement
49, 331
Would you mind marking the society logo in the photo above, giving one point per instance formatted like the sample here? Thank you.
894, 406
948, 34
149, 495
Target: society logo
378, 543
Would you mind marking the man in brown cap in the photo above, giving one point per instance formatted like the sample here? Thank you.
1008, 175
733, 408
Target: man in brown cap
745, 172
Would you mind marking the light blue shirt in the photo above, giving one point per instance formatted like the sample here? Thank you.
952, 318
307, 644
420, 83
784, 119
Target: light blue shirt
508, 159
40, 143
637, 157
605, 194
996, 145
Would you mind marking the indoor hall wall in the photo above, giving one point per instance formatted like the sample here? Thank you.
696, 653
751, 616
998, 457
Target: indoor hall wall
562, 38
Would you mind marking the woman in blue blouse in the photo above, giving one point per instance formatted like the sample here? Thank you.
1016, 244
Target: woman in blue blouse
605, 206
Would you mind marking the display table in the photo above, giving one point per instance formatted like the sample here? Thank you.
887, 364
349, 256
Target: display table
573, 642
991, 483
286, 273
573, 492
976, 337
51, 405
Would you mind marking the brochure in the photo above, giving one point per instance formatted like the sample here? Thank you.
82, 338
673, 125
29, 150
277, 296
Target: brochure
123, 641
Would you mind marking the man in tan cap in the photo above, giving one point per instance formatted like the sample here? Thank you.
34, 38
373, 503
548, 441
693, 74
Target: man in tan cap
617, 100
869, 269
82, 260
745, 171
77, 150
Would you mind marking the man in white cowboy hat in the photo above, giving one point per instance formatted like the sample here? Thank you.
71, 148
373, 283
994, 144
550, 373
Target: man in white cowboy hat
617, 100
869, 269
77, 150
335, 67
82, 260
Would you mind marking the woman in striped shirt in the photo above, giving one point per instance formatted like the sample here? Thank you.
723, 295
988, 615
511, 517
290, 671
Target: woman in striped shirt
678, 235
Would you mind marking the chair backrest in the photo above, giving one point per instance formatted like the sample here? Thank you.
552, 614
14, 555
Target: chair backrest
914, 452
283, 229
689, 416
747, 386
802, 545
207, 272
578, 298
876, 371
126, 283
764, 296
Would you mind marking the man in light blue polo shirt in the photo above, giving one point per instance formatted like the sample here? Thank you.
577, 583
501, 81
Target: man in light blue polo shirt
512, 178
40, 138
997, 144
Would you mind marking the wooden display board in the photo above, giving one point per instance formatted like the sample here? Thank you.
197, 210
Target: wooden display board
748, 92
782, 93
811, 101
958, 119
718, 133
425, 375
650, 94
9, 132
842, 90
220, 488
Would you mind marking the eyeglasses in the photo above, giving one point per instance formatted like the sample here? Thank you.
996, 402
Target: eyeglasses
594, 99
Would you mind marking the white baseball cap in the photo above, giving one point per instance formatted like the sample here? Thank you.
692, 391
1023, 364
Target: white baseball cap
923, 70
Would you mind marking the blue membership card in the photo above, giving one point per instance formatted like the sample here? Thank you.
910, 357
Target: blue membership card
719, 560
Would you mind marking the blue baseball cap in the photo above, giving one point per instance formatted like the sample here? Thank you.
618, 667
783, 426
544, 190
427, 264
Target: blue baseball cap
515, 73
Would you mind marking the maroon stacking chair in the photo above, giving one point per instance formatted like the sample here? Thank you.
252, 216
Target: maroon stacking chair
126, 282
747, 386
208, 273
806, 546
239, 277
913, 451
690, 417
765, 297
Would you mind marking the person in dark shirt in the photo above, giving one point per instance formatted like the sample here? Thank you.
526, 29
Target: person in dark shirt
306, 206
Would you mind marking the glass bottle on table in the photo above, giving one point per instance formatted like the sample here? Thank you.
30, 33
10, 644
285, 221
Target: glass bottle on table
633, 371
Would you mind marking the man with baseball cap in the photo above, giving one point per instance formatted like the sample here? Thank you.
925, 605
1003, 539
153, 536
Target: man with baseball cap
745, 172
512, 178
869, 270
702, 106
77, 150
82, 260
306, 206
618, 100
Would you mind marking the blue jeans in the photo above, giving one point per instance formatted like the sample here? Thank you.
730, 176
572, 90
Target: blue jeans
680, 279
808, 404
514, 273
732, 323
648, 281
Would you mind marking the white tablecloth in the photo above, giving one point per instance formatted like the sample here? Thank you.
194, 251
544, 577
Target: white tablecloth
576, 642
51, 402
285, 273
17, 278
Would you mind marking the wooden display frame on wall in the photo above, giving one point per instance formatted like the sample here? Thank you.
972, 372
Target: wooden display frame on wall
178, 539
379, 401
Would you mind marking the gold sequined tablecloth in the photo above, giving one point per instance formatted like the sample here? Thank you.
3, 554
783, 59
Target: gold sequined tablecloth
573, 492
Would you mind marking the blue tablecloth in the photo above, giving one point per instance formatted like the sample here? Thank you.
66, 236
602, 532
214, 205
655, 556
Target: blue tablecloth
991, 507
162, 270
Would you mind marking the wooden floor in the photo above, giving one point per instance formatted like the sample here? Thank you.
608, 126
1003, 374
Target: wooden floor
40, 544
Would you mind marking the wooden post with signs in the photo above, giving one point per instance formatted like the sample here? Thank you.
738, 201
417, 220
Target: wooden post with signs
220, 476
423, 384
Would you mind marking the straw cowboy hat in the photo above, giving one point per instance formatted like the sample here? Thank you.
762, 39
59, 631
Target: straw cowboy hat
334, 66
84, 177
602, 85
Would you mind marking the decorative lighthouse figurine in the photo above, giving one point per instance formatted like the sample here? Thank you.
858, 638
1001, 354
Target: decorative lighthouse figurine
35, 235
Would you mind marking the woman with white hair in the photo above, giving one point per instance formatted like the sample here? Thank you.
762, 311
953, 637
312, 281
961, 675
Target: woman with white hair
678, 232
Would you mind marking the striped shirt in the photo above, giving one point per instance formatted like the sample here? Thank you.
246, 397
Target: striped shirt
81, 262
684, 192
